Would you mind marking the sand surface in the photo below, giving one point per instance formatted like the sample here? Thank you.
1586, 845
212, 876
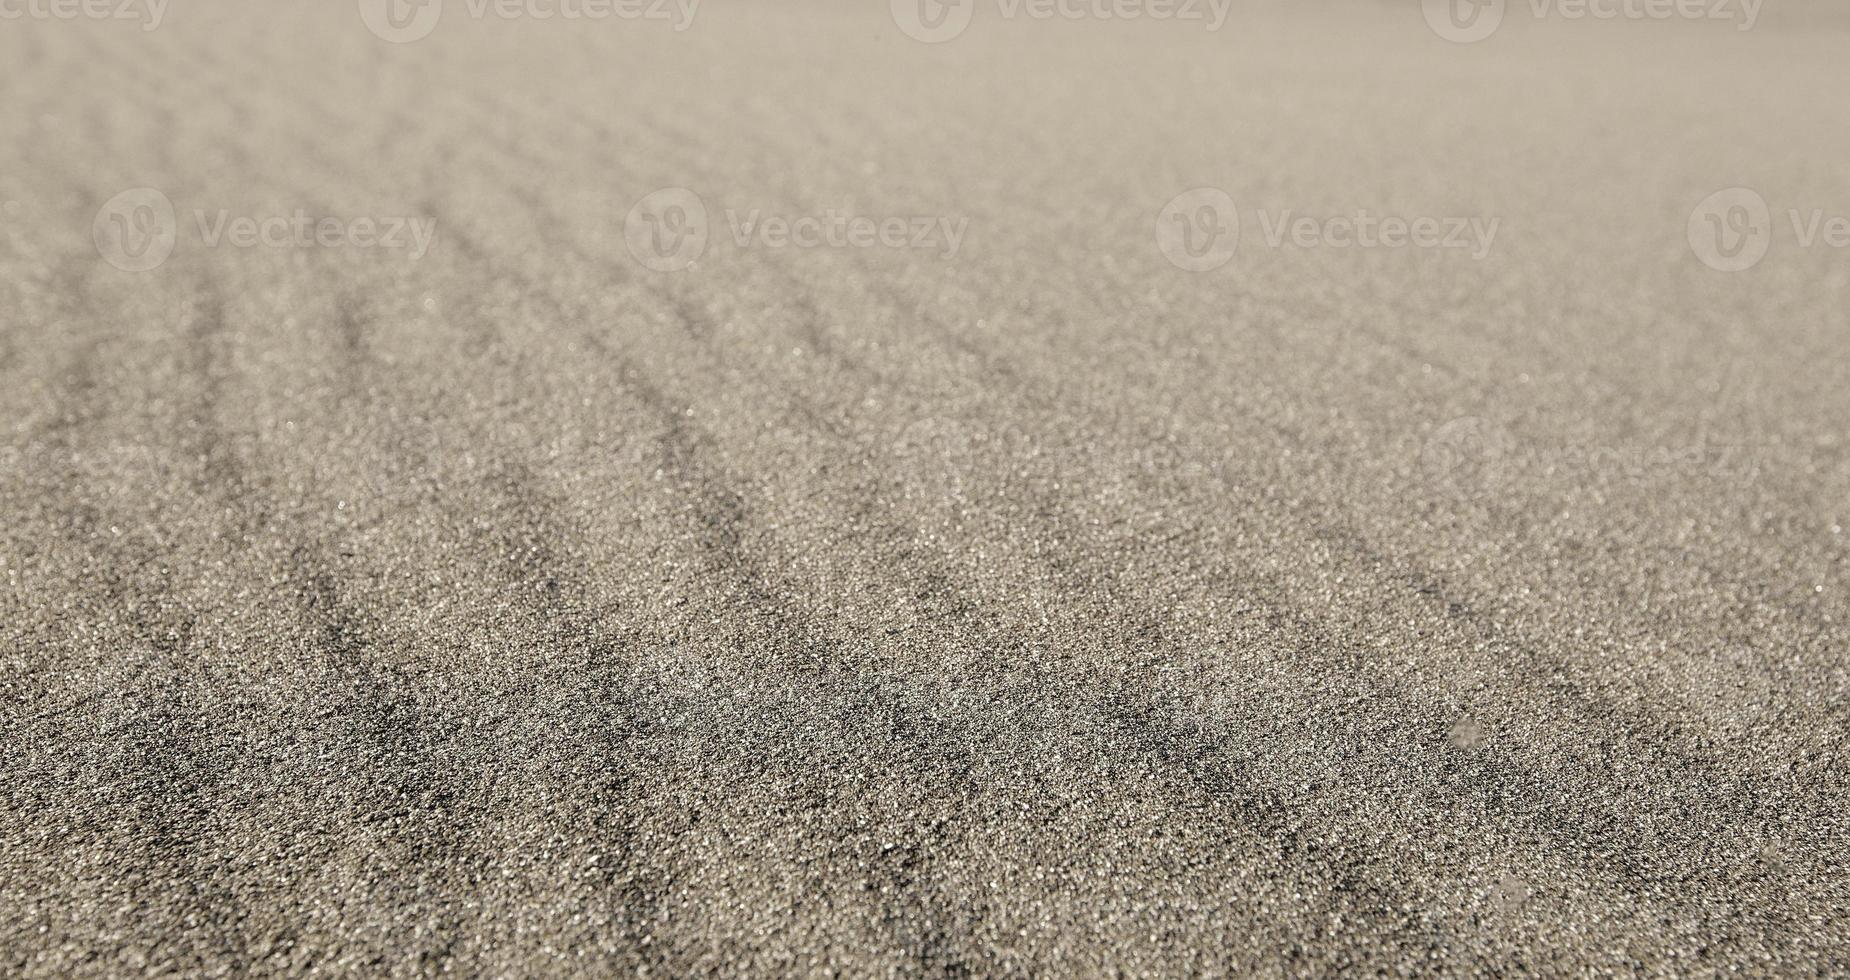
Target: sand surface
1024, 605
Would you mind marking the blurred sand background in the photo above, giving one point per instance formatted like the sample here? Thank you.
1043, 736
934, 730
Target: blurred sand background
1046, 609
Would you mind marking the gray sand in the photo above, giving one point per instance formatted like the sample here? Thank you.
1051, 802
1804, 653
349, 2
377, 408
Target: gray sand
1045, 608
